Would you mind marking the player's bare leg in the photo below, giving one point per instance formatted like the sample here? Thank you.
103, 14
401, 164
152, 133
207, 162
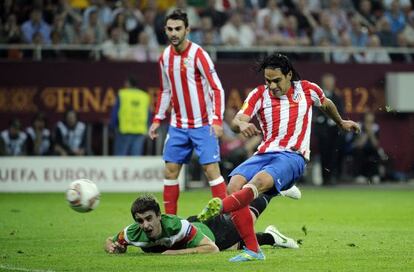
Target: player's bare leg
236, 184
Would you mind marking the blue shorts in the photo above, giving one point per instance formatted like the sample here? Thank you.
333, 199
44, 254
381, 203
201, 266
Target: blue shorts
284, 167
180, 143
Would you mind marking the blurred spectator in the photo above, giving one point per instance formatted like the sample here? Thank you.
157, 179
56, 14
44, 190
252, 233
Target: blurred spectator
143, 51
70, 136
35, 53
67, 33
395, 17
218, 18
330, 140
341, 56
69, 13
246, 12
225, 5
325, 34
235, 32
13, 141
129, 119
291, 35
273, 12
120, 23
268, 35
402, 57
366, 150
95, 29
206, 34
384, 32
39, 137
115, 48
338, 16
366, 15
7, 8
408, 30
314, 6
306, 21
405, 4
358, 33
103, 11
193, 18
11, 30
149, 26
36, 25
54, 53
133, 16
374, 53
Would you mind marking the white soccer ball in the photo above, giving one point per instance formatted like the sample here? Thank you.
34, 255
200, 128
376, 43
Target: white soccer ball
83, 195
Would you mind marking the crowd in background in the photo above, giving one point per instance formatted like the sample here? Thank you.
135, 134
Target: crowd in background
68, 137
134, 29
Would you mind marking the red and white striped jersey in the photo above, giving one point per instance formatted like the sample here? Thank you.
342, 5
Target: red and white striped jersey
190, 83
285, 121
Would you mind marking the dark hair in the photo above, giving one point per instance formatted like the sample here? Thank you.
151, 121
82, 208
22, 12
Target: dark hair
15, 123
145, 203
177, 14
69, 110
41, 117
132, 81
278, 61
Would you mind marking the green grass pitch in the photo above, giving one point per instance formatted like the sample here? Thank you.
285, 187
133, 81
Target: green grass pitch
347, 229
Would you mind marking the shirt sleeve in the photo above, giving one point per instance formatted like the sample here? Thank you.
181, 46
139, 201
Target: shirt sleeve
316, 93
252, 103
164, 94
202, 231
120, 238
206, 67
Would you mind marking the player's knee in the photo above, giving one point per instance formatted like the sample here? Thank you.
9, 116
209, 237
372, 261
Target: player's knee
211, 170
171, 172
235, 184
231, 188
263, 183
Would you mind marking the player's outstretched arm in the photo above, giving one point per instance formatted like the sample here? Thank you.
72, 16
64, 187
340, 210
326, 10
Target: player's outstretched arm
114, 247
329, 108
205, 246
241, 124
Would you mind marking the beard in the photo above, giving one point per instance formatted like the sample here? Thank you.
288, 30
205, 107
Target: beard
176, 41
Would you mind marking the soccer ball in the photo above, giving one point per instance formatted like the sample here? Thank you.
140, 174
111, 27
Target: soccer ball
83, 195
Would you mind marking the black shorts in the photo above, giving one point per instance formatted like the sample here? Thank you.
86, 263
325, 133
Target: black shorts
223, 229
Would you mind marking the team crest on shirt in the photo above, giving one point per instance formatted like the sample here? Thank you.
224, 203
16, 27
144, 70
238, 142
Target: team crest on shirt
296, 97
187, 61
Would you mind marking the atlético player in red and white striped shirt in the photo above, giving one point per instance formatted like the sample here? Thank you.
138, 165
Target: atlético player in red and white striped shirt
283, 107
189, 83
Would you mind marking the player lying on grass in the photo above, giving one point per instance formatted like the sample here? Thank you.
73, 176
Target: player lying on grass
154, 232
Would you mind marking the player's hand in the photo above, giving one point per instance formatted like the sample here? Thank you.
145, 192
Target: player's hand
217, 130
153, 130
114, 247
248, 129
109, 245
351, 126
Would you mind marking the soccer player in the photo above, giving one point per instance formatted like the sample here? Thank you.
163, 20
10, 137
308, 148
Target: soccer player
154, 232
283, 107
189, 83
